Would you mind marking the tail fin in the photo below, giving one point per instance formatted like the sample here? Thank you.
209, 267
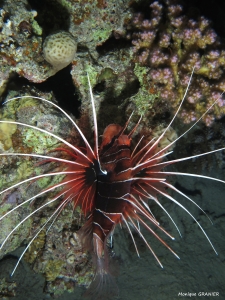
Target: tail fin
103, 285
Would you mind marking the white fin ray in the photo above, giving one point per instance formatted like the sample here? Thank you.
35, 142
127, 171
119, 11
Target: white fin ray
170, 123
95, 119
147, 244
185, 209
184, 195
51, 134
63, 111
66, 201
192, 175
35, 178
184, 133
188, 157
37, 195
42, 227
148, 216
145, 163
45, 157
28, 216
130, 232
135, 148
141, 210
158, 237
95, 126
160, 205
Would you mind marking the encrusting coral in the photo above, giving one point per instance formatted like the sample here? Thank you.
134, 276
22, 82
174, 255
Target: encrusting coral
170, 44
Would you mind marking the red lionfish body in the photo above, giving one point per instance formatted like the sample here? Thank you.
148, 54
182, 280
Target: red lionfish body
112, 184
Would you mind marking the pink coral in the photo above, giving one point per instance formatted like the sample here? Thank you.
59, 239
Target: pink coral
170, 45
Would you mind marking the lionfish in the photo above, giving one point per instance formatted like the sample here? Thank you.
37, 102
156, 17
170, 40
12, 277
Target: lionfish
112, 184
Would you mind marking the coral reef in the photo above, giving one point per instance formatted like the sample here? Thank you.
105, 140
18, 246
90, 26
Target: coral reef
169, 44
57, 254
7, 290
21, 43
23, 30
143, 65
